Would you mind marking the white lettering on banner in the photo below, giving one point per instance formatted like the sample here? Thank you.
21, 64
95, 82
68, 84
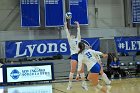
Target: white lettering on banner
51, 46
18, 50
51, 1
31, 48
29, 1
63, 47
41, 48
127, 46
134, 45
75, 2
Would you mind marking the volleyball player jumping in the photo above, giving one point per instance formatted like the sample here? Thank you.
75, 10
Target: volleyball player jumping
73, 42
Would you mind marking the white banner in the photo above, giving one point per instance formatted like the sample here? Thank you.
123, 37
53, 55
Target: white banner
29, 73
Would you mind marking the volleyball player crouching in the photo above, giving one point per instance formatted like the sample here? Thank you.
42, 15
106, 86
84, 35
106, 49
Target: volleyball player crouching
87, 56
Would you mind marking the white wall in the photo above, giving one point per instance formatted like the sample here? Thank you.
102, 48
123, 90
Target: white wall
106, 33
107, 23
9, 12
29, 35
110, 13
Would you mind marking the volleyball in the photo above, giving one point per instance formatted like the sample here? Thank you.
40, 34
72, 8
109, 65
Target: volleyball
68, 15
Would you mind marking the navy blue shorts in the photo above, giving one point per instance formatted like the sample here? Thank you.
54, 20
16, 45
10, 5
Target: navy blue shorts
74, 57
96, 68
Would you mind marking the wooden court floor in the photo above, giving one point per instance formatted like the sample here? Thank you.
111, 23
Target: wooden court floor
130, 85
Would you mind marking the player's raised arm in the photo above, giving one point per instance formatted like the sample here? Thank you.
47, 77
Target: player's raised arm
67, 31
78, 30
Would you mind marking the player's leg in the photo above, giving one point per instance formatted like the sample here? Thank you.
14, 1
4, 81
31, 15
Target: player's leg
104, 76
82, 75
94, 81
119, 72
93, 77
72, 70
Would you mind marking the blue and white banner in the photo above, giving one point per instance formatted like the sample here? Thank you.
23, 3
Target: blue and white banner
54, 13
136, 11
33, 48
29, 73
79, 10
30, 13
127, 44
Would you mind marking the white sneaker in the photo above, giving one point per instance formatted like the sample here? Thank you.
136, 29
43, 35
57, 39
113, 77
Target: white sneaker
108, 83
84, 86
69, 86
112, 76
120, 76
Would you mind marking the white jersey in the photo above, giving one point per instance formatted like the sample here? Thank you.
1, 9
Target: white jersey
88, 57
98, 58
74, 42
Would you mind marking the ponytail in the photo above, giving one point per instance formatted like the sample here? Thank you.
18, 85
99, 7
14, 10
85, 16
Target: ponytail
80, 51
81, 46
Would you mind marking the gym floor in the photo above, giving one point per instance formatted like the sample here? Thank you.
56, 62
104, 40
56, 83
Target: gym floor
129, 85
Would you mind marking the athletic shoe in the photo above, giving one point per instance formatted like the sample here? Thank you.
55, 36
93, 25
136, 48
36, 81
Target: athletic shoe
109, 83
84, 86
112, 76
69, 86
120, 76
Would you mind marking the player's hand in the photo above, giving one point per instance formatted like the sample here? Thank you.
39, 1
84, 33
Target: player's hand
105, 55
77, 23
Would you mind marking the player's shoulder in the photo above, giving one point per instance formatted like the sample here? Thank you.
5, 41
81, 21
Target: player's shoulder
90, 50
87, 51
